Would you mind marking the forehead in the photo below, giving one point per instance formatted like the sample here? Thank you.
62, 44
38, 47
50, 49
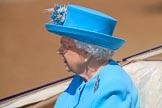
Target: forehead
66, 40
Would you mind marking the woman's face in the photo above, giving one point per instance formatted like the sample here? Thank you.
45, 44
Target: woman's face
73, 57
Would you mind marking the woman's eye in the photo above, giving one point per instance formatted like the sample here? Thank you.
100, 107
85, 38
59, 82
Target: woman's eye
65, 46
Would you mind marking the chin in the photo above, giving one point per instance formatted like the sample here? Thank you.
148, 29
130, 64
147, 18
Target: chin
67, 69
70, 70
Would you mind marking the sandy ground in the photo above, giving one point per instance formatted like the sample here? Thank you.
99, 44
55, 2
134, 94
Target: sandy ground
28, 52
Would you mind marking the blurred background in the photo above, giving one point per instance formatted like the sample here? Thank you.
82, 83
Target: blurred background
28, 55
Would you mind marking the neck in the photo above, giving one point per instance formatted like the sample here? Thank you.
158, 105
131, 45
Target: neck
92, 68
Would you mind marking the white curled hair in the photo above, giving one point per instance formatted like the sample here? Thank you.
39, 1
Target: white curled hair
97, 52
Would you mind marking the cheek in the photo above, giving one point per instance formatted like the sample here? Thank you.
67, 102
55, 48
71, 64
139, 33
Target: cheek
72, 57
74, 60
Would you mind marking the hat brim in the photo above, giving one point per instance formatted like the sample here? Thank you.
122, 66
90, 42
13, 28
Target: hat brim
90, 37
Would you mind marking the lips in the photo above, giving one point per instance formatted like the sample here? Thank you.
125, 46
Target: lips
68, 69
63, 58
65, 61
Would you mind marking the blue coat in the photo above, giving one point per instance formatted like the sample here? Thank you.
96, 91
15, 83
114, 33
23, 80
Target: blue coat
110, 88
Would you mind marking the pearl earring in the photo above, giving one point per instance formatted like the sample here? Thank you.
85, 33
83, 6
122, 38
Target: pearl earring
85, 60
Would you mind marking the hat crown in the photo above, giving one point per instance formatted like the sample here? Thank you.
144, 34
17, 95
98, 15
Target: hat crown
85, 25
89, 20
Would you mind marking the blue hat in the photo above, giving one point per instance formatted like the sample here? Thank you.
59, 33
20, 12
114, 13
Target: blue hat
85, 25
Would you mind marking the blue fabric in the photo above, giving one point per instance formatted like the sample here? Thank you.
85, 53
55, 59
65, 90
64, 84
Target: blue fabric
114, 89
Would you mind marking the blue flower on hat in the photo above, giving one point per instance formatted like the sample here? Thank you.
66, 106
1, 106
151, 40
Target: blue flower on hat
59, 14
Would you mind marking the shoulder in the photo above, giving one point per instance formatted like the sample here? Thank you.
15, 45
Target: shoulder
114, 73
114, 79
115, 85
